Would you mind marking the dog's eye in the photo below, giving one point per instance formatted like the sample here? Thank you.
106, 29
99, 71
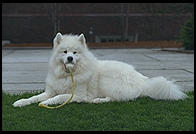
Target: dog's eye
74, 52
65, 51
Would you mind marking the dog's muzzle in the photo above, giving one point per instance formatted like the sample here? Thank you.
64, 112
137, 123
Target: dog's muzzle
68, 66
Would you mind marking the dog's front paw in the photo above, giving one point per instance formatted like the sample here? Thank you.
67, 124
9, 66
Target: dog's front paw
21, 103
43, 103
97, 100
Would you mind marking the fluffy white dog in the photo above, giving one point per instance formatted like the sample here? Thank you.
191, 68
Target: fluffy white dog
96, 81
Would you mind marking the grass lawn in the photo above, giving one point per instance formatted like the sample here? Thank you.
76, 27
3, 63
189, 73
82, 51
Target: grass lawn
142, 114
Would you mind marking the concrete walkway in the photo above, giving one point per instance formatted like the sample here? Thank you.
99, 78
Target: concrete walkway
25, 70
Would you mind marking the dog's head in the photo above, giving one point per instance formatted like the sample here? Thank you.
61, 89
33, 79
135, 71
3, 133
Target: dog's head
68, 49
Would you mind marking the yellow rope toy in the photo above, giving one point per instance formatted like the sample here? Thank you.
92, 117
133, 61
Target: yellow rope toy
68, 100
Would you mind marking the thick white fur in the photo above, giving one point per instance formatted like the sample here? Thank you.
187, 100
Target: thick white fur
96, 80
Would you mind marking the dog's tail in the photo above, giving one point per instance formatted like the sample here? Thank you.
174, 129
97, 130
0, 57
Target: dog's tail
161, 88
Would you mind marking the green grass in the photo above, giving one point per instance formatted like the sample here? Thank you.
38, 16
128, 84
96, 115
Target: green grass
142, 114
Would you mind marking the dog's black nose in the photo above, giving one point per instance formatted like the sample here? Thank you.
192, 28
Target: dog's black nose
70, 59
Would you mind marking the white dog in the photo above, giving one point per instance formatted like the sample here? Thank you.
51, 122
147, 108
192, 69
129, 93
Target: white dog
96, 81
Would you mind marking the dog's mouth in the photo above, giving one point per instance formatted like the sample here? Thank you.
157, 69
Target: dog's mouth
68, 67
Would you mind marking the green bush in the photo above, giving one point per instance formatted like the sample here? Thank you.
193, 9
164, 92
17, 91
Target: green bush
186, 36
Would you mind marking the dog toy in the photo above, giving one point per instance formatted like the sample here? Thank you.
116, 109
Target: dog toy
68, 100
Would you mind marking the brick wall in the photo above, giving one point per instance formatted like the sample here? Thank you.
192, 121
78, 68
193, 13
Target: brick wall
38, 22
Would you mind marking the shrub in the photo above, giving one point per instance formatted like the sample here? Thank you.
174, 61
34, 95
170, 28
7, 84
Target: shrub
186, 36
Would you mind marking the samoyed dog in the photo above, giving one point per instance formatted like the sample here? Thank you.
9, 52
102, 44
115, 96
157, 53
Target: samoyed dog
96, 81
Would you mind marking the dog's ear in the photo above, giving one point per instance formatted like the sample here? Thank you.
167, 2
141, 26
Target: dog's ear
57, 40
82, 39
